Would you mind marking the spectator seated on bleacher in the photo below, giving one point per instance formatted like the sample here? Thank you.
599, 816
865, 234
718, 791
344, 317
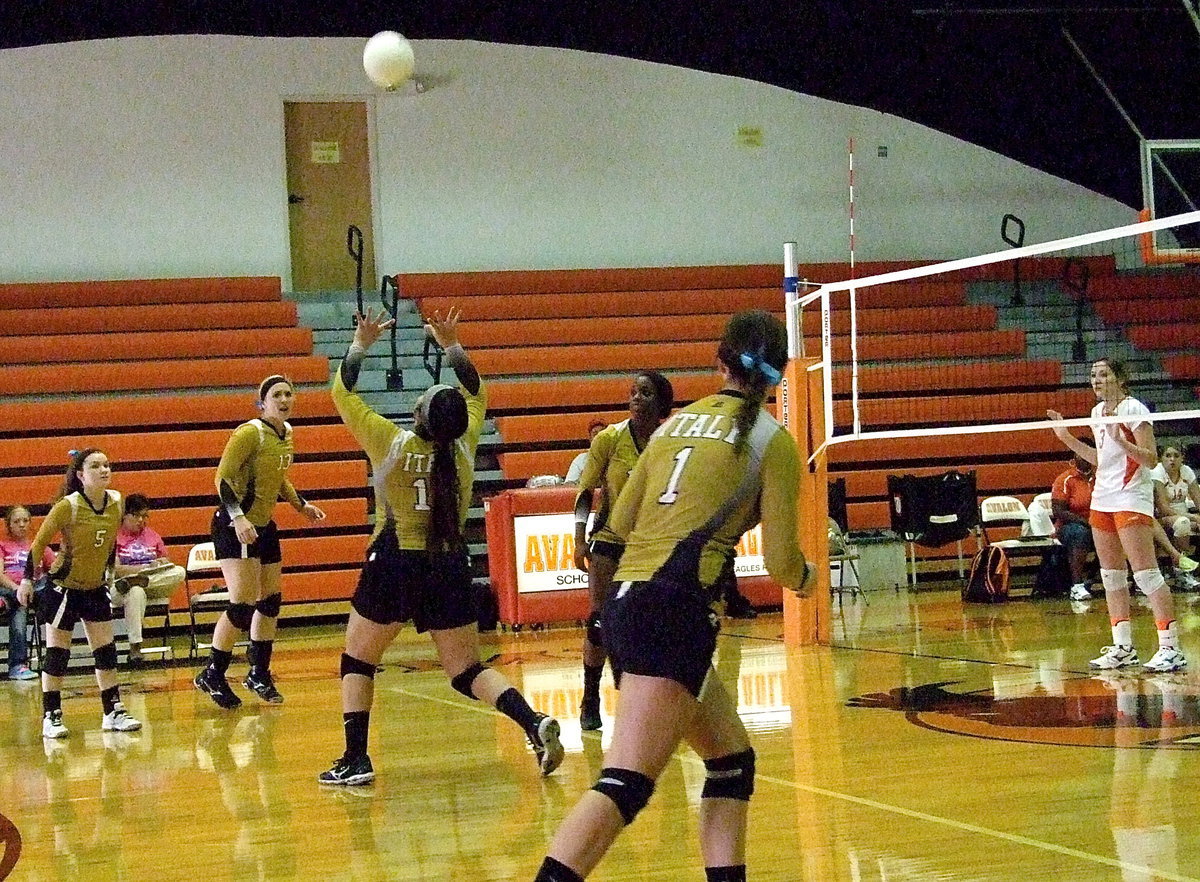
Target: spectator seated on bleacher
1071, 501
144, 572
575, 469
1176, 503
15, 548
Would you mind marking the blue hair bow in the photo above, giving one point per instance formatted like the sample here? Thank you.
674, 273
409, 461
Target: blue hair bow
753, 361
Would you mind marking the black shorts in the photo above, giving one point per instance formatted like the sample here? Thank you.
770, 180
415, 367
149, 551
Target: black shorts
265, 548
434, 592
61, 607
662, 629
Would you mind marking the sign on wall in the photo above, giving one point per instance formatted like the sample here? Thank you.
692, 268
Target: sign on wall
545, 553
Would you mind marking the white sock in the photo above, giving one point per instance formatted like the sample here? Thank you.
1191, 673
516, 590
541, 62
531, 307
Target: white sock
1122, 633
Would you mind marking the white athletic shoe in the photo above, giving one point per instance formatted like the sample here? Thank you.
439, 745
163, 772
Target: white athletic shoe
52, 725
1166, 659
546, 745
1113, 657
1080, 592
118, 720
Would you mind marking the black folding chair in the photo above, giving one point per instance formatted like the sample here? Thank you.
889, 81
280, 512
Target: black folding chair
933, 511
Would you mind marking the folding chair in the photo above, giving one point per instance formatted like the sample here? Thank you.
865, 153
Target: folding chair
932, 511
840, 554
202, 563
998, 512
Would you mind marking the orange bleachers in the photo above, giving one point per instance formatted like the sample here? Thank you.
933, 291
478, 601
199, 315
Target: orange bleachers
162, 345
564, 346
160, 446
52, 319
139, 292
193, 373
179, 483
148, 366
1183, 367
103, 414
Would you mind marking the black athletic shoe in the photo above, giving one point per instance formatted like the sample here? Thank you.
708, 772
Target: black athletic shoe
349, 772
546, 746
262, 684
589, 714
216, 687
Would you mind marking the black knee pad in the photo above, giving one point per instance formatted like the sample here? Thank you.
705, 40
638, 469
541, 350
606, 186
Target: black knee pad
729, 777
629, 790
352, 665
240, 615
462, 683
105, 656
55, 662
269, 605
594, 634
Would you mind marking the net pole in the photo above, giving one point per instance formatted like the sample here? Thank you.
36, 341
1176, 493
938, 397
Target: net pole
791, 290
853, 309
807, 620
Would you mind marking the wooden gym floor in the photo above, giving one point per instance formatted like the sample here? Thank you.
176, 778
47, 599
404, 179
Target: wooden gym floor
932, 742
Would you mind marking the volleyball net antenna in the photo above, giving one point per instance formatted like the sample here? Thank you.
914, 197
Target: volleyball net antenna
952, 349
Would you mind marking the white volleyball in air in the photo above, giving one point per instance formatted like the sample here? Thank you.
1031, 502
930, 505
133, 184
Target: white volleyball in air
388, 60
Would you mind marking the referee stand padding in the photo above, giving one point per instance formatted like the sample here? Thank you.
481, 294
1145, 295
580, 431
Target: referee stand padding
157, 373
561, 346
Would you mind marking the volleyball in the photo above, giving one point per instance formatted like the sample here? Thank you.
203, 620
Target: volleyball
388, 60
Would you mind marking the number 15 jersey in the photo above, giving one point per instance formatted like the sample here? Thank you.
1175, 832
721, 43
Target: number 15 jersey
686, 473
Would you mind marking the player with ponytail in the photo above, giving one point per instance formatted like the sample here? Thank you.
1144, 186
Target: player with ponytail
417, 567
87, 515
710, 472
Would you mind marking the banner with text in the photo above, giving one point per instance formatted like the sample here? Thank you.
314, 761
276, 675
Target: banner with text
545, 552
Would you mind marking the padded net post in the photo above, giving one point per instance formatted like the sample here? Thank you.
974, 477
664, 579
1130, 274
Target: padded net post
806, 621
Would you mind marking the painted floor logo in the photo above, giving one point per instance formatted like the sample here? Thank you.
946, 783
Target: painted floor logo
1106, 710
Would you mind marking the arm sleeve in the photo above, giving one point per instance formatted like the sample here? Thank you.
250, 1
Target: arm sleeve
59, 517
476, 411
350, 366
372, 431
464, 369
780, 511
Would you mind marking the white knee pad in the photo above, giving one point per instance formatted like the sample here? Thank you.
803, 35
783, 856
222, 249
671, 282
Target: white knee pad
1149, 581
1181, 527
1114, 581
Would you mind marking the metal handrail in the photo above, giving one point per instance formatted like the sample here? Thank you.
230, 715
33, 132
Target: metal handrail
354, 244
1076, 276
395, 377
1018, 299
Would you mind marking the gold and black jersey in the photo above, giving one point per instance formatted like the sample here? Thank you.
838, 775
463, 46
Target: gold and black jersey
687, 472
89, 537
401, 462
254, 465
612, 456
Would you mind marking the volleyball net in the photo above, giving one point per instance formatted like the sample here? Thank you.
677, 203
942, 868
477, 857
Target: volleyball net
987, 345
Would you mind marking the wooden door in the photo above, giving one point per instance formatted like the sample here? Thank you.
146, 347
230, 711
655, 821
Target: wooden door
329, 188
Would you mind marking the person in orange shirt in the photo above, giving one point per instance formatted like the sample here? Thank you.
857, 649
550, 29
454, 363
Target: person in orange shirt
1071, 498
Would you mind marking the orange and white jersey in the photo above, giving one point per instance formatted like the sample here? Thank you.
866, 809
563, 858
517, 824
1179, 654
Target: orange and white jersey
1122, 483
1177, 491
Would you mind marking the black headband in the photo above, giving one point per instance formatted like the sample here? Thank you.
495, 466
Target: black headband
264, 388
